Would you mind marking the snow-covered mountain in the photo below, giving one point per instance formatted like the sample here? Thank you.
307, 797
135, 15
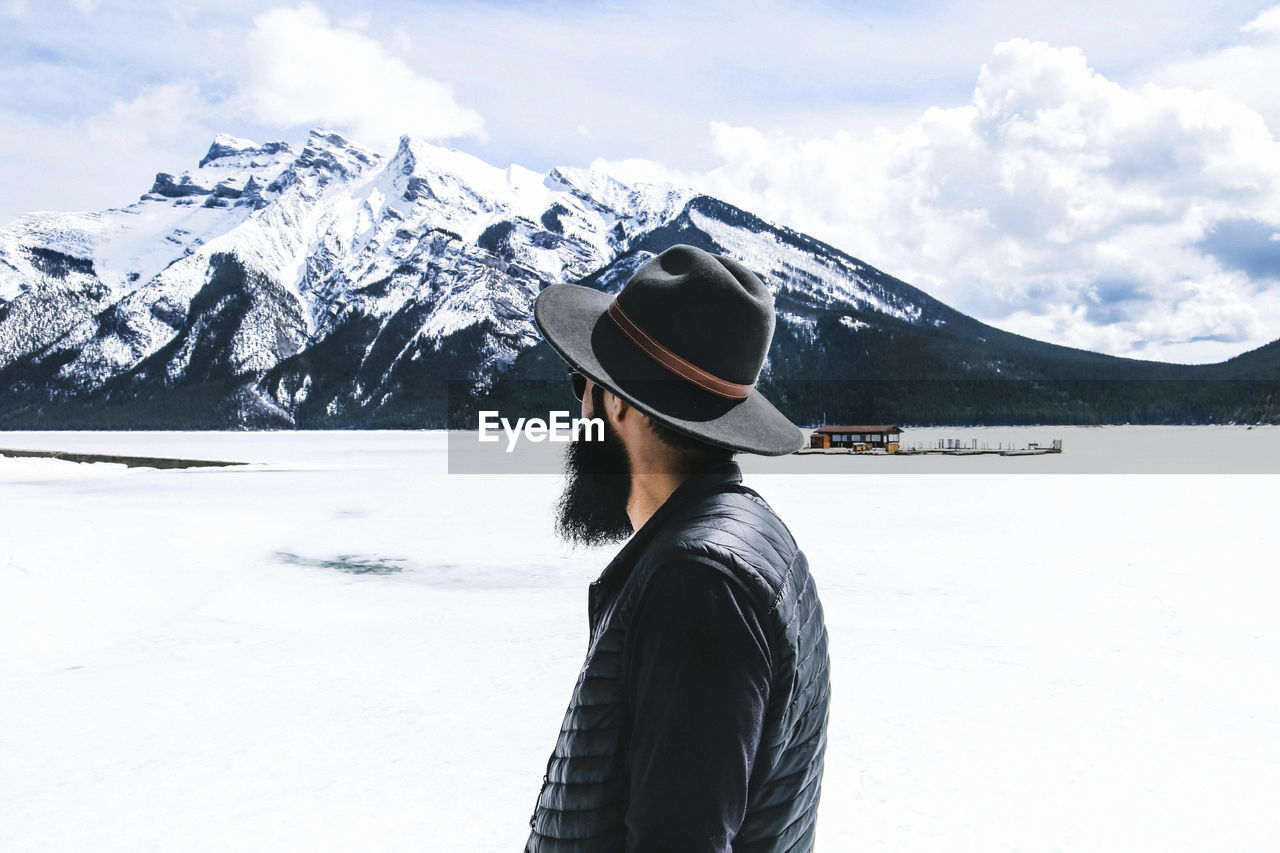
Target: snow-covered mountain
337, 286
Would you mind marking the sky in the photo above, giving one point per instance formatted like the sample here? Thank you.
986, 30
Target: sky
1106, 178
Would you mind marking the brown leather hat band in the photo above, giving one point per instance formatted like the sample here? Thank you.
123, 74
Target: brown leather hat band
680, 367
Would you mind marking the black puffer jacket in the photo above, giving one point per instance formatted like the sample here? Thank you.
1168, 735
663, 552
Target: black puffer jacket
712, 519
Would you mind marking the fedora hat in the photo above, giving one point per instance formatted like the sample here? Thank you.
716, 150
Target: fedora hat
683, 342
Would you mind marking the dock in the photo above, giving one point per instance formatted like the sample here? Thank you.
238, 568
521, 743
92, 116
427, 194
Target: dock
1011, 451
942, 447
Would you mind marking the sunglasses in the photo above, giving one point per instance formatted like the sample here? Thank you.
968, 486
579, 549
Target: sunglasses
579, 384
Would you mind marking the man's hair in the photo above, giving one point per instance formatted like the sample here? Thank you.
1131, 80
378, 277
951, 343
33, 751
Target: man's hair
692, 450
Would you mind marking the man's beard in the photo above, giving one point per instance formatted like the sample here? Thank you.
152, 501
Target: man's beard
592, 510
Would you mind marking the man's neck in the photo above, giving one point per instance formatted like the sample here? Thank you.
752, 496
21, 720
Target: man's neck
650, 491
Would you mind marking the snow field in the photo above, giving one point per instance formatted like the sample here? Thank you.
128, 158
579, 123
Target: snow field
343, 647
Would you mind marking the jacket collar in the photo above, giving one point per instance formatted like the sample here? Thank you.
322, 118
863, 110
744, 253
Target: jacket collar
712, 479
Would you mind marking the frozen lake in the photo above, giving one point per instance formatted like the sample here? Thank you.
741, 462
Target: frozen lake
342, 646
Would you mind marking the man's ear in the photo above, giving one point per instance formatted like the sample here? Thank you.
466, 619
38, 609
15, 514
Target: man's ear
617, 408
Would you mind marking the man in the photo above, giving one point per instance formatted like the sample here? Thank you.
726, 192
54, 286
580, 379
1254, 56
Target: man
698, 721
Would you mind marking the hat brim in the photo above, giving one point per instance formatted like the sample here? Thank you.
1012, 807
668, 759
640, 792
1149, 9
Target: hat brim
573, 320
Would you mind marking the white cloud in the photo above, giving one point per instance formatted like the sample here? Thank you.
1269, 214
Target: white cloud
1056, 203
109, 159
1267, 21
164, 114
302, 70
1245, 71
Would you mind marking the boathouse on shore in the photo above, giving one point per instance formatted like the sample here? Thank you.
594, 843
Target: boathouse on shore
880, 437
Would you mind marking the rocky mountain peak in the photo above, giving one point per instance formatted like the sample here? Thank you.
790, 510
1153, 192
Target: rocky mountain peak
327, 156
242, 152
